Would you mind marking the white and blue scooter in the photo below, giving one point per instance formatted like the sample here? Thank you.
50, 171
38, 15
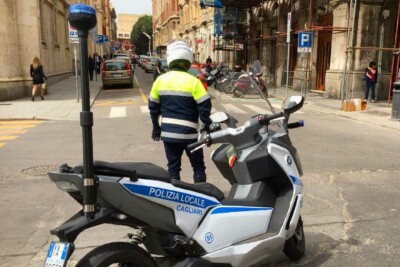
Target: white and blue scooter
175, 223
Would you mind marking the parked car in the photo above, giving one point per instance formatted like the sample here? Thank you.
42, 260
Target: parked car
164, 68
124, 57
115, 72
150, 63
196, 71
142, 61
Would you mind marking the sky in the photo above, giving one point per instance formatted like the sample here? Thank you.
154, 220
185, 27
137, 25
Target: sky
136, 7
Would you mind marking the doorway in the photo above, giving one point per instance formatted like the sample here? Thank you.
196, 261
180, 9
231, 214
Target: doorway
324, 50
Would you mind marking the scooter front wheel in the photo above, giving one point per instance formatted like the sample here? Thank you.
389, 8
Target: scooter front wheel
124, 254
295, 246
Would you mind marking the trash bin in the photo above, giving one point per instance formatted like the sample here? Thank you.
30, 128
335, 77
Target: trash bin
396, 101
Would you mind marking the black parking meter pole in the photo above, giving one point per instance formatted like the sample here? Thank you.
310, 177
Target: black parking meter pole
83, 18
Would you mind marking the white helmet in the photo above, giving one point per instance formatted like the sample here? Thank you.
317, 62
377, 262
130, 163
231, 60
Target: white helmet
179, 50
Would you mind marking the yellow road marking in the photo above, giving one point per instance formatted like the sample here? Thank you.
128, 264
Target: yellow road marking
13, 132
144, 97
9, 137
126, 102
16, 126
19, 122
2, 144
105, 103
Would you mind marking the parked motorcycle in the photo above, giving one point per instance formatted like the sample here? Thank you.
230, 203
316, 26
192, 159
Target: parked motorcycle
228, 78
243, 86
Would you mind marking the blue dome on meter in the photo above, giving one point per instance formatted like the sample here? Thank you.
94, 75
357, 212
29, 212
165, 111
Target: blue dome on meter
82, 17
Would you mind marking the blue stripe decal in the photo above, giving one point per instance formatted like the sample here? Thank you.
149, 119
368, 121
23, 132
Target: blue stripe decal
296, 180
171, 195
228, 209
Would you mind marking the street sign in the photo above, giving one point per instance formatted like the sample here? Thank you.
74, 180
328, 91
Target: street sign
73, 35
105, 39
304, 42
100, 39
211, 3
289, 25
93, 33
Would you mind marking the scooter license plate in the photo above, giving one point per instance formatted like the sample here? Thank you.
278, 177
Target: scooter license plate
57, 254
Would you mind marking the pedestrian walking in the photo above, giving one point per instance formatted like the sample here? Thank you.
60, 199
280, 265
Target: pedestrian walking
371, 75
98, 61
208, 60
91, 67
38, 77
181, 100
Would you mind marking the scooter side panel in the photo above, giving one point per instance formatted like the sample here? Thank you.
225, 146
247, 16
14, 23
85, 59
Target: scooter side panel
226, 225
189, 207
247, 254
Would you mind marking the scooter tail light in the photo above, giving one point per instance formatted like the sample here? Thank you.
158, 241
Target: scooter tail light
232, 161
128, 69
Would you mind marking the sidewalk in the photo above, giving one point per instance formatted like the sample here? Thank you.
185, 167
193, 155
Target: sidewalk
378, 113
60, 103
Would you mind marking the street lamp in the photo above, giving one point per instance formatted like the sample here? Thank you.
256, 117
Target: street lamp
148, 36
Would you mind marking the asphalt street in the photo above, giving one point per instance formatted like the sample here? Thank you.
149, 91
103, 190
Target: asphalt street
351, 206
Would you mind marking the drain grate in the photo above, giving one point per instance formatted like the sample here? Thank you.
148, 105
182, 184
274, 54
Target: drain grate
40, 170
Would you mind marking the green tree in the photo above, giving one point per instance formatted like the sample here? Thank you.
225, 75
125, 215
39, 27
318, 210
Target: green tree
140, 40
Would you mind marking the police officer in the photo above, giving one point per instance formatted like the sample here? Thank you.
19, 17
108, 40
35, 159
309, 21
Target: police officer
181, 100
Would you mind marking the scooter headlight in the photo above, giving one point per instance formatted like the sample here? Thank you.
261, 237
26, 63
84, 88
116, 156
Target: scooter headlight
67, 186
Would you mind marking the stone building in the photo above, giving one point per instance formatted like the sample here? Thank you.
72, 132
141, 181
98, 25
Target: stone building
31, 29
346, 36
125, 23
339, 55
184, 19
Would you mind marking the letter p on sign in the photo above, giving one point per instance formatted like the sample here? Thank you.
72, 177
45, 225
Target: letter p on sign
304, 42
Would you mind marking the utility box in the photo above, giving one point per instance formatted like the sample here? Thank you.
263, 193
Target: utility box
396, 101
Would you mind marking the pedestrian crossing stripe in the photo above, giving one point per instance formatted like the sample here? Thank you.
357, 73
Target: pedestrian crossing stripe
233, 109
2, 144
118, 112
144, 109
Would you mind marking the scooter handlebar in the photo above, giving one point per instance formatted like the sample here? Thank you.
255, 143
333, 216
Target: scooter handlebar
196, 144
265, 119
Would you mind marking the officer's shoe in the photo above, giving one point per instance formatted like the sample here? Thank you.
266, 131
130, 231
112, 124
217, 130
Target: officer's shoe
200, 178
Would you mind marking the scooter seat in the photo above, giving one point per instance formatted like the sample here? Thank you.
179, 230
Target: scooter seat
203, 188
133, 170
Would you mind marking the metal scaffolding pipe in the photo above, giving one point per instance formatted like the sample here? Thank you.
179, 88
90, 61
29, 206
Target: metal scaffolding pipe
393, 58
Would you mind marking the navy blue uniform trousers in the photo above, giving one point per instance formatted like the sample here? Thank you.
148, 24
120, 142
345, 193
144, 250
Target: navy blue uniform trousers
174, 153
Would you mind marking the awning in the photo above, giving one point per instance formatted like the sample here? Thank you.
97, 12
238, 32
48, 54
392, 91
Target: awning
241, 3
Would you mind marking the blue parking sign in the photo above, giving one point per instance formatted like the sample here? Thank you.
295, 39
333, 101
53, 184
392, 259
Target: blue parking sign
304, 41
100, 39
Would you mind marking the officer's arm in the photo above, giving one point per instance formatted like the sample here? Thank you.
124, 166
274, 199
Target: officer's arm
154, 104
203, 101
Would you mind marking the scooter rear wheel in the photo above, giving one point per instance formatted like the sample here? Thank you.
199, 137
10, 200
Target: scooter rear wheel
124, 254
295, 246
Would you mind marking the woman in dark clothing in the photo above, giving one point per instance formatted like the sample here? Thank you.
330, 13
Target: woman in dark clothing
38, 77
371, 74
91, 67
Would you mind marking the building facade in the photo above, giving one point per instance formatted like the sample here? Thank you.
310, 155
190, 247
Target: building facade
31, 29
125, 23
345, 36
39, 28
